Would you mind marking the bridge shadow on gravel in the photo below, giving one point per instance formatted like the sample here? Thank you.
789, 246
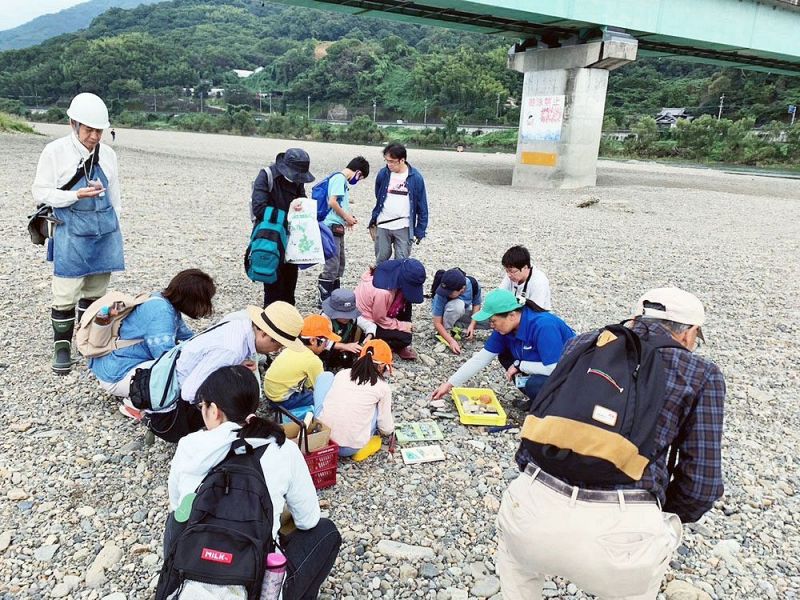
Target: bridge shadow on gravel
492, 177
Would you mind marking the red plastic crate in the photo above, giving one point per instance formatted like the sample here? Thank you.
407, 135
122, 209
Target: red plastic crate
323, 464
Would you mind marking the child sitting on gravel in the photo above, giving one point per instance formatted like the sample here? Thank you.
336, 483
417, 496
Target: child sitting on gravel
359, 402
291, 378
340, 308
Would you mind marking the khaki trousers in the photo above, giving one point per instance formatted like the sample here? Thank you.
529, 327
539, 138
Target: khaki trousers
68, 290
122, 388
613, 550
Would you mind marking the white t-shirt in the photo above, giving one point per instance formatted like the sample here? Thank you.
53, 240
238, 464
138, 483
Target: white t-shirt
536, 288
397, 203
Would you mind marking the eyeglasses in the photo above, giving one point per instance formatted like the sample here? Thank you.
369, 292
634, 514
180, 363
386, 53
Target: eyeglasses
495, 318
199, 406
392, 161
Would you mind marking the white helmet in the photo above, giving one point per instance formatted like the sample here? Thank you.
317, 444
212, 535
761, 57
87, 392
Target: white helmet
90, 110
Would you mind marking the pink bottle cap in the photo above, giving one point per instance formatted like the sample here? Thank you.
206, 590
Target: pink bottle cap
275, 559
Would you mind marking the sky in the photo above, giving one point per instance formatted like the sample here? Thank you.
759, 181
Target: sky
17, 12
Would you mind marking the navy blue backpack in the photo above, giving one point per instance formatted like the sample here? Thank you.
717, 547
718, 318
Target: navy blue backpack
320, 193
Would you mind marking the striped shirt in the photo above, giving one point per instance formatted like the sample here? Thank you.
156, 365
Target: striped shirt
693, 411
226, 345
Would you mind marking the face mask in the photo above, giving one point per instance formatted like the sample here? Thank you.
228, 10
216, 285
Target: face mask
354, 179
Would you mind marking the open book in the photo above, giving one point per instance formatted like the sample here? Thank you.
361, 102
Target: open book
417, 431
412, 456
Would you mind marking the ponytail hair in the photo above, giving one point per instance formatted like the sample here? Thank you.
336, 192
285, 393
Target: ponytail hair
365, 370
236, 392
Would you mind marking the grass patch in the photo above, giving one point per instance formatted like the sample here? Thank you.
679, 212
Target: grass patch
10, 123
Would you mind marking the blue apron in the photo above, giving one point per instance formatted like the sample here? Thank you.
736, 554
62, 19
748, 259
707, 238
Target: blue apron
89, 241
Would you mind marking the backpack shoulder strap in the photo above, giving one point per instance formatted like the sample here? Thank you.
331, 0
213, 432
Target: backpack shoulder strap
270, 178
474, 284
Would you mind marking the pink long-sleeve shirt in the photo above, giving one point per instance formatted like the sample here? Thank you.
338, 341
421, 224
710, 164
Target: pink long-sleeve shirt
349, 409
374, 303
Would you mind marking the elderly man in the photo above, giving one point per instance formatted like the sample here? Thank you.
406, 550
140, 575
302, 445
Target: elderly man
77, 176
614, 536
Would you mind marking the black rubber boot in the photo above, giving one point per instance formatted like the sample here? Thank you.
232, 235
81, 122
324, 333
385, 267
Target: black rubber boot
326, 287
63, 324
83, 304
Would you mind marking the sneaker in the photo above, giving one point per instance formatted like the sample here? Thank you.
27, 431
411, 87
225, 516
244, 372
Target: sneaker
407, 353
373, 446
131, 412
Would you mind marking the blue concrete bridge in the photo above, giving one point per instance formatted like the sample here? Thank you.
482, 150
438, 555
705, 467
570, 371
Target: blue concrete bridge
565, 48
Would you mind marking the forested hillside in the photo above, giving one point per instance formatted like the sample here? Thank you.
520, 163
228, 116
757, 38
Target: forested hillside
68, 20
314, 60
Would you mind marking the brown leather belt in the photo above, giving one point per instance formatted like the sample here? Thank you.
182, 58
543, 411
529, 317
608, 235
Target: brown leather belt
584, 495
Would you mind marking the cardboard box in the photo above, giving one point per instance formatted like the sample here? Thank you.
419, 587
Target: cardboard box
316, 441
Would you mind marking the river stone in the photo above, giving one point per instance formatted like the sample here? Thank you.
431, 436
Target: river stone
403, 551
488, 586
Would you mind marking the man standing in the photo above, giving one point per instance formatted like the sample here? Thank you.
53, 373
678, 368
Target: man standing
276, 186
338, 219
613, 540
78, 177
400, 215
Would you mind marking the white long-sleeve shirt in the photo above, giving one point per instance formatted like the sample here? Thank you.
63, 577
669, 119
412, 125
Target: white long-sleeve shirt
229, 344
285, 471
483, 358
57, 164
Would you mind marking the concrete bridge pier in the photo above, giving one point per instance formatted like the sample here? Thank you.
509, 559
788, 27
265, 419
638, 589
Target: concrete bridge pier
561, 115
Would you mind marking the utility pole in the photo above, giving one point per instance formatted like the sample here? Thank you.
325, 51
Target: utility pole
374, 109
259, 101
201, 100
270, 104
308, 108
497, 113
155, 105
721, 104
425, 118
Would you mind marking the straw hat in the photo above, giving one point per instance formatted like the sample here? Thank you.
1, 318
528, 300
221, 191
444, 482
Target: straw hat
281, 321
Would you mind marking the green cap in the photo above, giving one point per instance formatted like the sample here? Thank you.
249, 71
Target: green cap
497, 301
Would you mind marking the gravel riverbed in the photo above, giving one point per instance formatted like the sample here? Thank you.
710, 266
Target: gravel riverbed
83, 500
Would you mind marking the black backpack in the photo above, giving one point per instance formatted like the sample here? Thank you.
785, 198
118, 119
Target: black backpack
594, 420
228, 534
437, 279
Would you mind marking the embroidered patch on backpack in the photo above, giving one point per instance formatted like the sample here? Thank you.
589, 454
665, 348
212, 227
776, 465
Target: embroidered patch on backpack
604, 415
216, 556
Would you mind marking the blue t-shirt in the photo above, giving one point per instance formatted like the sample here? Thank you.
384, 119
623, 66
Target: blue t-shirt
540, 337
157, 323
439, 302
338, 186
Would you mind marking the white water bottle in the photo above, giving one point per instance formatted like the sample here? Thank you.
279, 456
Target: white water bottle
274, 574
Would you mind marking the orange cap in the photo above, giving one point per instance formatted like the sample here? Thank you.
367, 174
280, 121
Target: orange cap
380, 351
318, 326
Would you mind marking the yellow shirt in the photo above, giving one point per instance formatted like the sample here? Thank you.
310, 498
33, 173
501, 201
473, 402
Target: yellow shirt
290, 371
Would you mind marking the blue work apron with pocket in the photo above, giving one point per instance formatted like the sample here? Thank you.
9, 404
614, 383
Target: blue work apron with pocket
89, 240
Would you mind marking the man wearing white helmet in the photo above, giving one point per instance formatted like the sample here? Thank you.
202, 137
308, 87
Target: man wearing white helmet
78, 177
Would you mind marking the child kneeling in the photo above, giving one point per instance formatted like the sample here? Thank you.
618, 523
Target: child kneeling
359, 403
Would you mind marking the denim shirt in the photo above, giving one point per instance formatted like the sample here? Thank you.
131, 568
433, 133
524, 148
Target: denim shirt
157, 323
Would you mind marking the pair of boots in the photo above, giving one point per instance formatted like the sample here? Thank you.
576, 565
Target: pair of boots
63, 321
326, 288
